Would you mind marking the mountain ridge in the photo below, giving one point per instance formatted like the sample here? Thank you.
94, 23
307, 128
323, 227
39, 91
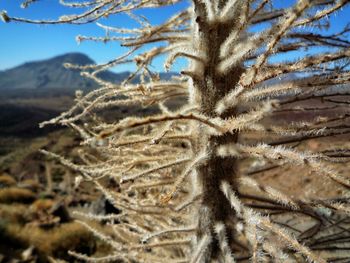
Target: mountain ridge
51, 74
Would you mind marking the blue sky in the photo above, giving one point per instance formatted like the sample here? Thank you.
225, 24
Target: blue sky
27, 42
22, 42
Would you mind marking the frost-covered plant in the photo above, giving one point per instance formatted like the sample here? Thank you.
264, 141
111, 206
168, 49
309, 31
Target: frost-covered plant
188, 179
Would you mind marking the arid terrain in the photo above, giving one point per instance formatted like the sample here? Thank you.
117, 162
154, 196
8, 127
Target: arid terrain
38, 196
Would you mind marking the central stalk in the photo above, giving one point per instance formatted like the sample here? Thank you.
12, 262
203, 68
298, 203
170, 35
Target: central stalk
210, 87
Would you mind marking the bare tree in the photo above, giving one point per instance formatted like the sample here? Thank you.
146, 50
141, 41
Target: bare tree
189, 186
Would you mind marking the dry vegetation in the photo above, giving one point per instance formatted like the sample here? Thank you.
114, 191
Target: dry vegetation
243, 171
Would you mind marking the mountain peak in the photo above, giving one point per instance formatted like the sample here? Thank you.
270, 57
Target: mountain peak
75, 58
48, 73
51, 74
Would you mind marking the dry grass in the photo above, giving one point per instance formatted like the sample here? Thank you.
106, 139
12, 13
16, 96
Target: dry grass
54, 242
18, 231
31, 184
42, 205
7, 180
16, 195
14, 213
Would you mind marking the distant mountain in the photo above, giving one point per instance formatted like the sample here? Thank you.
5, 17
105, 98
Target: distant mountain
50, 74
46, 74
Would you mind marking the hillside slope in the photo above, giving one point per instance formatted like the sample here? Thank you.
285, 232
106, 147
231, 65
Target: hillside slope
50, 74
